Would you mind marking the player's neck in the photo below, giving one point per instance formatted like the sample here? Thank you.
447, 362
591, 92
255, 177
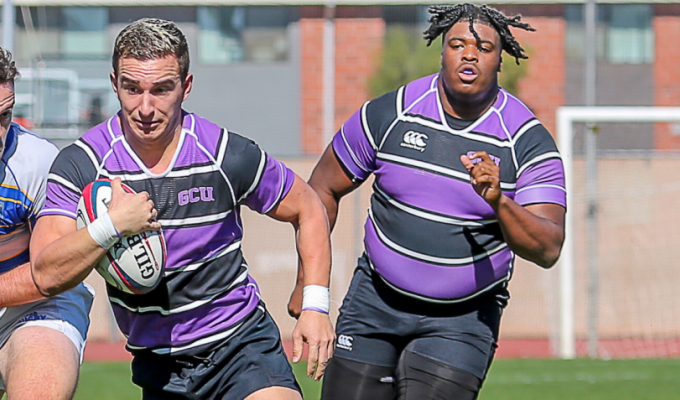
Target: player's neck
467, 107
157, 154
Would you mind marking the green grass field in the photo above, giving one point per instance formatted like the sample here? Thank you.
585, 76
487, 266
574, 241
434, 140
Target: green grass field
508, 380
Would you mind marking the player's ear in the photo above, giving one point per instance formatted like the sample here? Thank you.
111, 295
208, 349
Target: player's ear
114, 82
187, 85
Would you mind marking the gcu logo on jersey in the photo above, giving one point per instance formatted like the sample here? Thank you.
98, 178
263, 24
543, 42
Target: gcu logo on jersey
414, 140
345, 342
192, 195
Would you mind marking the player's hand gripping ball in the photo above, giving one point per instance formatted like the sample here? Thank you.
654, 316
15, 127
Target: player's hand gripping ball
135, 264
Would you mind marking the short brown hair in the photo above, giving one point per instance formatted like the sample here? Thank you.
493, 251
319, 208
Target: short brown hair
150, 39
8, 70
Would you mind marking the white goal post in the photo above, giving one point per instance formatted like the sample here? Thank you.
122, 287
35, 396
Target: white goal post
566, 117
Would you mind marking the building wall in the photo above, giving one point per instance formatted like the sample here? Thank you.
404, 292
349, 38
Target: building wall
358, 39
544, 86
667, 71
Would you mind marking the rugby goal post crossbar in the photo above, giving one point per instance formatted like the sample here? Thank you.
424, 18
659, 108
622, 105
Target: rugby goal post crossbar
566, 117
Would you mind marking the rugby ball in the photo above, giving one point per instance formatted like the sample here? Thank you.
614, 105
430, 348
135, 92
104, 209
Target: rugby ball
135, 264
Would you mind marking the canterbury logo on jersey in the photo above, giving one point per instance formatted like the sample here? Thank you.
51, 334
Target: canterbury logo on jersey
414, 140
345, 342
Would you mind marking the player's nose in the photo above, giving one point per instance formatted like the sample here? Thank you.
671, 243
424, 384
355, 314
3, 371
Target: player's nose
146, 108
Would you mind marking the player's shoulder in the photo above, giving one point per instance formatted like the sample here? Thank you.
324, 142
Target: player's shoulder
240, 145
29, 152
32, 143
99, 139
517, 116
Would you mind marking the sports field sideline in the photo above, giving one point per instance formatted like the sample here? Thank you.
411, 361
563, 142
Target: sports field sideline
509, 379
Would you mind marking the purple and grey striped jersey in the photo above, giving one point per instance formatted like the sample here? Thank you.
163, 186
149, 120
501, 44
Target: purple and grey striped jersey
206, 291
428, 233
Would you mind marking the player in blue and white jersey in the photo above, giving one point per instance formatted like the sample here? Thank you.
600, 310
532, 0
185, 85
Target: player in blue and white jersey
41, 339
466, 178
203, 332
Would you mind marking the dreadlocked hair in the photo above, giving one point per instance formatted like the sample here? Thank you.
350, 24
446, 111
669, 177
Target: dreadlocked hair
444, 17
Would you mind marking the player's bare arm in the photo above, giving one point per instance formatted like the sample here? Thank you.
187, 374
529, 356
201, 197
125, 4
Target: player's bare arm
63, 256
534, 232
18, 287
303, 209
330, 183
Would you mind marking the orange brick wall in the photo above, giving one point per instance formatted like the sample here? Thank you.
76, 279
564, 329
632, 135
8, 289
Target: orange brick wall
358, 44
666, 69
358, 39
311, 34
543, 87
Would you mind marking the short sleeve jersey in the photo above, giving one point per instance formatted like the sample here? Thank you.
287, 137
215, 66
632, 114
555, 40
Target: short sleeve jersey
24, 166
428, 233
206, 291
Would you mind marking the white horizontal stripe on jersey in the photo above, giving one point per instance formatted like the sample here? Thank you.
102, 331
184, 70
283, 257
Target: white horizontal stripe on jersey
541, 186
63, 182
428, 258
45, 211
434, 217
536, 160
187, 307
463, 133
437, 168
172, 174
487, 288
524, 129
194, 220
196, 265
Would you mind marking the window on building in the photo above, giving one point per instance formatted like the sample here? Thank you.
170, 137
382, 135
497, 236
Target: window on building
624, 33
243, 34
630, 38
84, 32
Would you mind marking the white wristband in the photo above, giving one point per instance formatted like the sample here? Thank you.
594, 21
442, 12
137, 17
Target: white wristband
316, 298
103, 231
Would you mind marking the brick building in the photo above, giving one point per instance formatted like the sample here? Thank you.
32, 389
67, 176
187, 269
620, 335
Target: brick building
261, 68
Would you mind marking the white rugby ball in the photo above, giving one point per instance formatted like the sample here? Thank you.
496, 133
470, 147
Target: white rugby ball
135, 264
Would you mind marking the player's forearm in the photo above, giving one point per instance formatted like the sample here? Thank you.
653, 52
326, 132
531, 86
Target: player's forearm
313, 243
66, 262
530, 236
331, 204
18, 287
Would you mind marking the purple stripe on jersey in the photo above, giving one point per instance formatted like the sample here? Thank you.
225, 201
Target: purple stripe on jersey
59, 201
416, 88
441, 282
492, 126
515, 113
427, 107
432, 192
179, 329
541, 194
274, 185
353, 148
190, 244
191, 154
206, 132
541, 177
